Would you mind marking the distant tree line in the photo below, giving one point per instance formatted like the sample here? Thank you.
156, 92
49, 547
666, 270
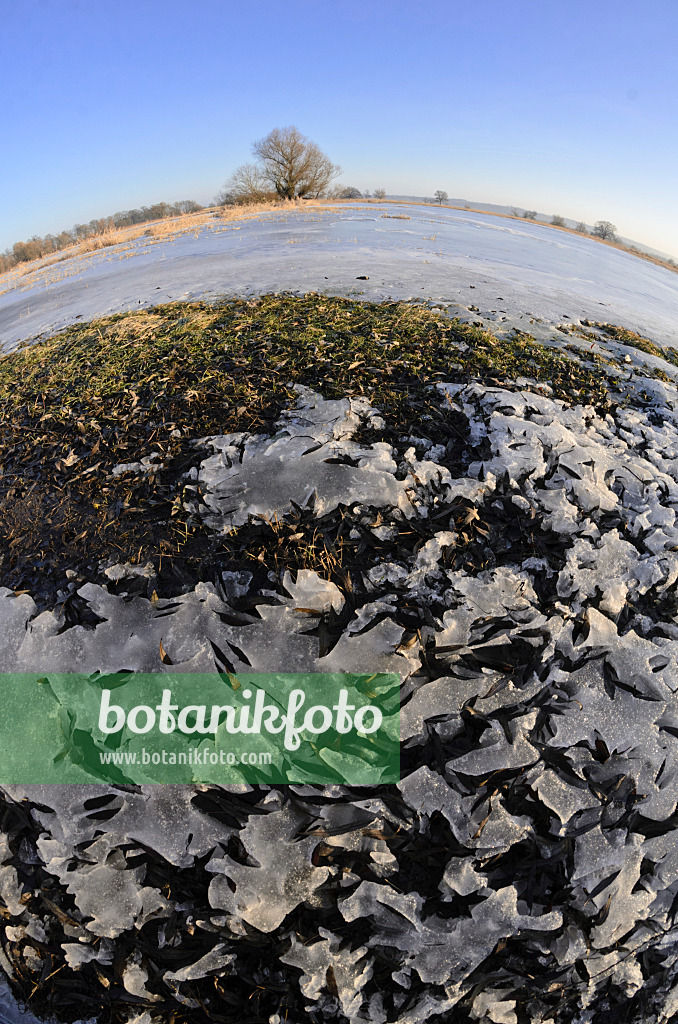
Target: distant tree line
602, 228
36, 247
349, 192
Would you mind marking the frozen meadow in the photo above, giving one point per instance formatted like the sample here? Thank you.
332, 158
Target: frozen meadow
487, 268
526, 866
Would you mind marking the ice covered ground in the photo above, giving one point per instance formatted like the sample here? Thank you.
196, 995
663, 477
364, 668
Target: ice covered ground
526, 866
485, 268
540, 753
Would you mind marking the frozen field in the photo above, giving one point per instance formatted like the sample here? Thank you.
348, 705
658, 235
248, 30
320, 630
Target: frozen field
513, 273
526, 865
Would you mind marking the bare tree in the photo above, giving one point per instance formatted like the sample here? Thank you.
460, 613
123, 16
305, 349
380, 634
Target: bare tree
603, 229
292, 166
247, 184
581, 228
558, 221
529, 214
349, 193
441, 197
188, 206
380, 193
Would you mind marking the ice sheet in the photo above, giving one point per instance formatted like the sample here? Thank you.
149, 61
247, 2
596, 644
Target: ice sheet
515, 273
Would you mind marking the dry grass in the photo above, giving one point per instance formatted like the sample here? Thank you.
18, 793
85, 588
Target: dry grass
150, 229
41, 263
110, 391
159, 230
176, 226
98, 242
246, 210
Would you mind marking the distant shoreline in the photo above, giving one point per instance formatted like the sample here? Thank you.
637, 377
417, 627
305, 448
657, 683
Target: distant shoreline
523, 220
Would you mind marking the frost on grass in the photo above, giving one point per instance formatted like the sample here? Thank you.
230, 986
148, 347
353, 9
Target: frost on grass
526, 866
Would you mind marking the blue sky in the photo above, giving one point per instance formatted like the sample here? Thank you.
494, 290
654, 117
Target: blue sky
563, 106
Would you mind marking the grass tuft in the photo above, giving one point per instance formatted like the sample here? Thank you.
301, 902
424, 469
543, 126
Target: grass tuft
627, 337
